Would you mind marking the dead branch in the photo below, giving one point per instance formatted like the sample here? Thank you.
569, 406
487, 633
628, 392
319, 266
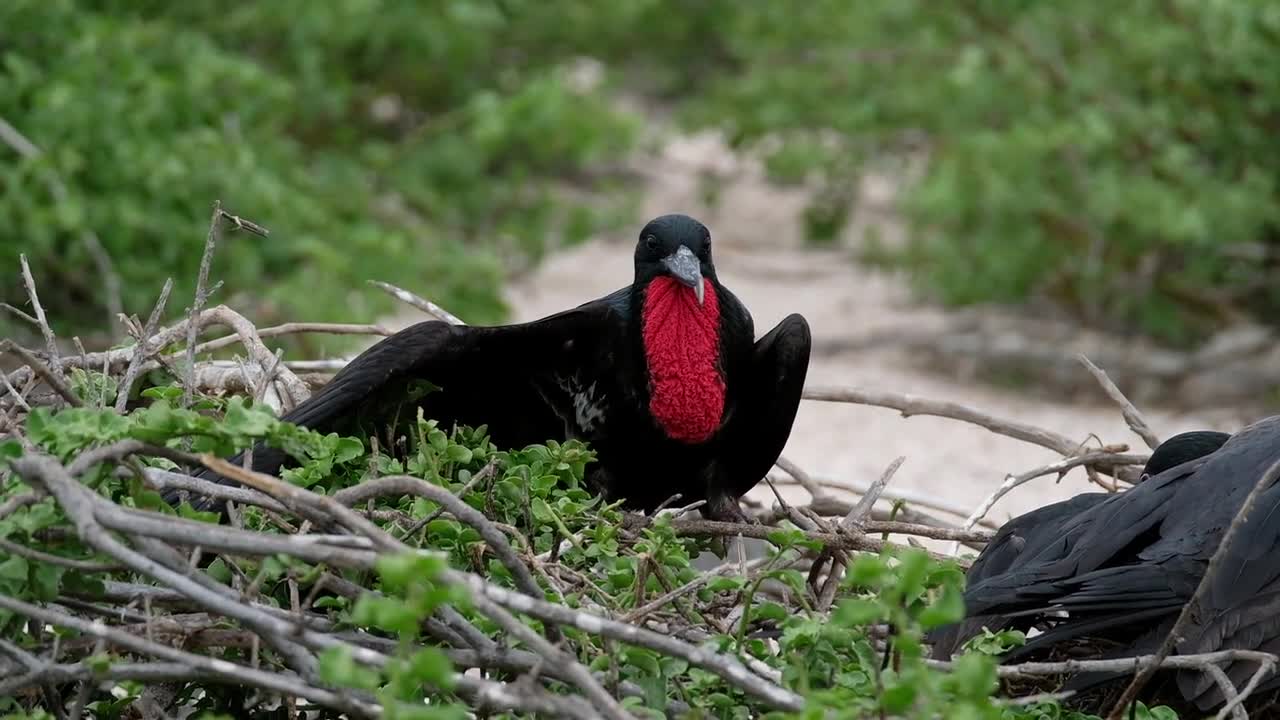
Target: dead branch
42, 371
1132, 417
55, 358
140, 351
420, 303
910, 405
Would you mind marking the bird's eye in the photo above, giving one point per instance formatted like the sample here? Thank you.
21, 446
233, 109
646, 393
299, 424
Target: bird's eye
651, 242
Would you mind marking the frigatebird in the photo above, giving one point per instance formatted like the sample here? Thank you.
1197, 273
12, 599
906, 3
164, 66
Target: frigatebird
1026, 536
663, 379
1131, 564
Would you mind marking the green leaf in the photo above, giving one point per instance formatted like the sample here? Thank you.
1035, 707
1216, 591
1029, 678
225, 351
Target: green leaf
898, 697
403, 570
771, 611
14, 568
949, 608
431, 666
850, 612
913, 564
337, 667
644, 660
47, 580
10, 449
386, 613
348, 449
163, 392
974, 676
219, 571
867, 571
542, 511
458, 453
723, 584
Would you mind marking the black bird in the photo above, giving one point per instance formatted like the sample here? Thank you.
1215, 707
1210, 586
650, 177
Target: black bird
1133, 561
1026, 536
664, 380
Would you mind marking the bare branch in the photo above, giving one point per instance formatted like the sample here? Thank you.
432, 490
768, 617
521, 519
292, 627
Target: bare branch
420, 303
140, 350
55, 358
239, 673
910, 405
54, 380
1132, 417
801, 476
211, 239
859, 513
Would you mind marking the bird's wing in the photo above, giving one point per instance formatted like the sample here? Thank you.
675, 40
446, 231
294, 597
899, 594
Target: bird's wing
1022, 537
507, 377
1111, 531
771, 384
1240, 609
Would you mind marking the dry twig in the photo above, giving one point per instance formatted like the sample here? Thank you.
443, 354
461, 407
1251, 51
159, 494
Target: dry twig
1132, 416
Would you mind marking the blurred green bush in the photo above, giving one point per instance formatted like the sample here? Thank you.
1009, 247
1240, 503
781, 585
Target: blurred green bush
420, 143
1120, 160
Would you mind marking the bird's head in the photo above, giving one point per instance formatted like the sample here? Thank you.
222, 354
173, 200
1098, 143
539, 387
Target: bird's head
1183, 448
675, 246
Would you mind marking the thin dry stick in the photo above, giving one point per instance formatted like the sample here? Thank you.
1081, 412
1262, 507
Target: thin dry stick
407, 485
1228, 691
1184, 617
857, 516
55, 359
910, 405
43, 371
421, 303
726, 666
295, 328
1265, 668
715, 528
1132, 417
140, 350
19, 314
483, 475
223, 668
805, 479
17, 396
905, 495
211, 239
1013, 481
1125, 665
855, 520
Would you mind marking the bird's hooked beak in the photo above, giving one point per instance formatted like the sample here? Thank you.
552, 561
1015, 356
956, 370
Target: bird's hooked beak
685, 267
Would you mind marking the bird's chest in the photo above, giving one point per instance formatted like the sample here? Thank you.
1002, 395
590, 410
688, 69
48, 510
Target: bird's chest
683, 370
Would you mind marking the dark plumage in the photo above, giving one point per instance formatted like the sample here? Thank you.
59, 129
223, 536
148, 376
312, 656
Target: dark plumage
1030, 535
1128, 565
663, 378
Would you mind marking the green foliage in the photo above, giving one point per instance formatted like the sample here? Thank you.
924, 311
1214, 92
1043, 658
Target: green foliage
379, 139
1117, 159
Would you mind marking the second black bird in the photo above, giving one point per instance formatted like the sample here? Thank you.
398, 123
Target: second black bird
664, 379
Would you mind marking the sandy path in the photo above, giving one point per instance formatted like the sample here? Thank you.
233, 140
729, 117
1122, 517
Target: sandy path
758, 257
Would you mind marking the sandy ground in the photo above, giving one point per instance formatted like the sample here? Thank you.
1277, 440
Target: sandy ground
758, 255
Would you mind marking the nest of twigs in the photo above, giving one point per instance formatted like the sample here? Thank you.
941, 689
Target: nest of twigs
453, 580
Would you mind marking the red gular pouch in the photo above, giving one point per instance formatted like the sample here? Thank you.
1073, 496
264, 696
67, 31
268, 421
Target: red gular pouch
682, 350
